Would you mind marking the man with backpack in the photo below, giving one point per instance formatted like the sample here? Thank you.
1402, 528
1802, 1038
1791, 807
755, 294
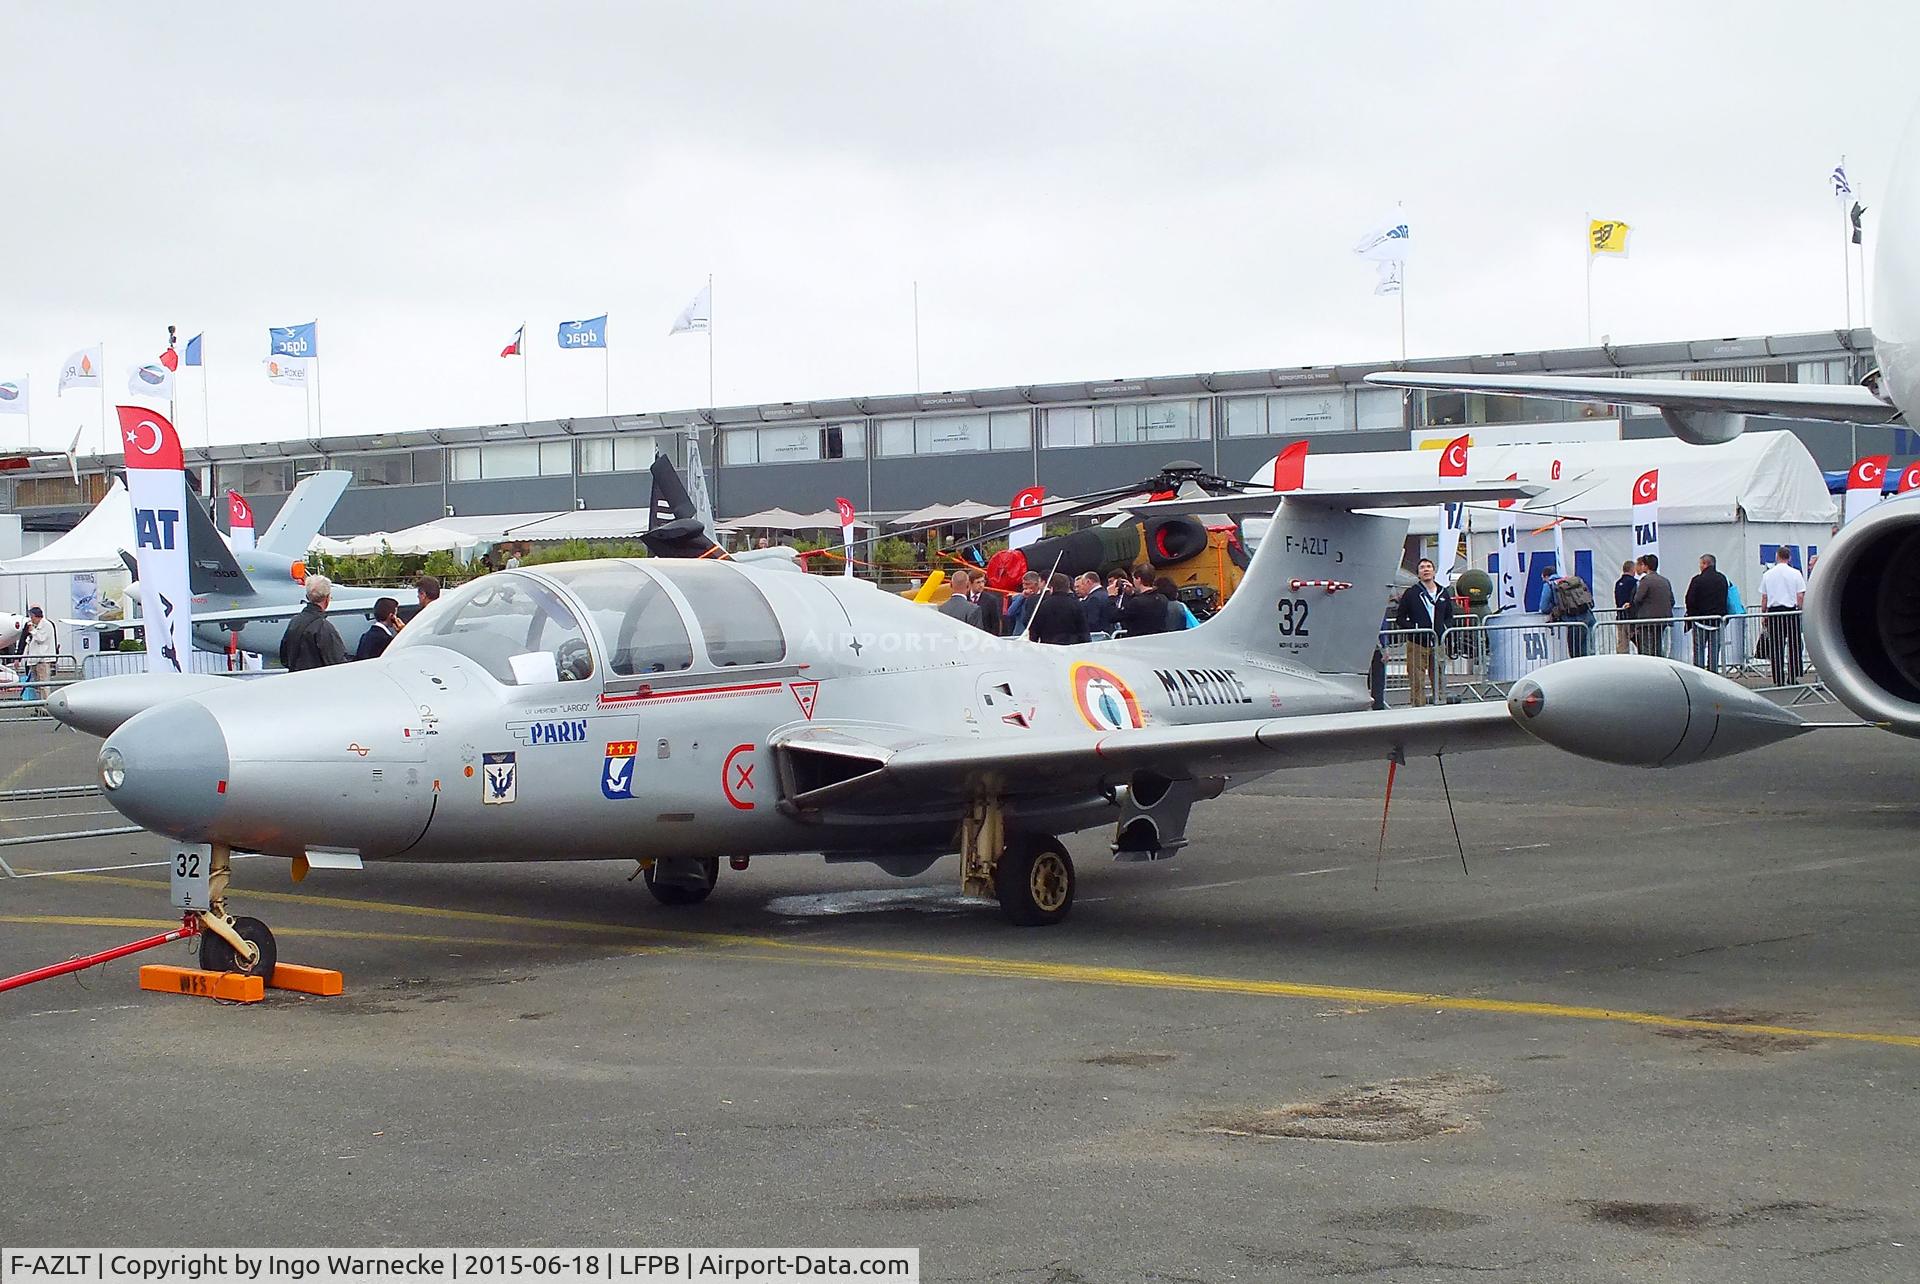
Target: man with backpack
1570, 603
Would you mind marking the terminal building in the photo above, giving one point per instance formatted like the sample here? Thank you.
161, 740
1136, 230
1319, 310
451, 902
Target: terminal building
897, 452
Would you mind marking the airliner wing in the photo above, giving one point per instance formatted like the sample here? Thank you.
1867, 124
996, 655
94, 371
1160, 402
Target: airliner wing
1698, 410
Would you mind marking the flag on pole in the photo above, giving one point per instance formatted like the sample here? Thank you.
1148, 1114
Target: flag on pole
1607, 236
847, 515
697, 315
591, 333
193, 350
1387, 241
82, 370
1841, 188
1856, 214
1865, 481
13, 396
1453, 457
515, 348
1646, 515
294, 340
157, 487
1508, 589
1026, 508
171, 357
151, 380
1909, 479
1389, 277
287, 372
239, 522
1290, 467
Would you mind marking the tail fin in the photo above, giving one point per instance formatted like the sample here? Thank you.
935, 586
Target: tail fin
210, 564
304, 513
1317, 588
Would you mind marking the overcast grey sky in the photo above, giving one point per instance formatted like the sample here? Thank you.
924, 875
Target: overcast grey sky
1081, 190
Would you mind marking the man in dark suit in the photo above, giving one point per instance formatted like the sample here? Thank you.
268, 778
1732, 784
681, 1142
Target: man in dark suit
959, 606
992, 604
1424, 615
1652, 607
1706, 609
1096, 604
386, 623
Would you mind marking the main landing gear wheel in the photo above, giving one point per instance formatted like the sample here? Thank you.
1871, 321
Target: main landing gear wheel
683, 893
1034, 880
218, 956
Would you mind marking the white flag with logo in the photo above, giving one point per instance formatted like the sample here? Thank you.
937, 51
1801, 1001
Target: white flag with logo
1453, 525
14, 396
287, 372
1507, 592
82, 370
1390, 277
1387, 241
151, 380
697, 315
1646, 514
157, 488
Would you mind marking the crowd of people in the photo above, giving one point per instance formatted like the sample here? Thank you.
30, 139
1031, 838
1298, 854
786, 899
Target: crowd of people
1644, 601
312, 642
1060, 611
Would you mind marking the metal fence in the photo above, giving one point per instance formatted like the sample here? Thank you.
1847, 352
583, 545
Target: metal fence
1481, 658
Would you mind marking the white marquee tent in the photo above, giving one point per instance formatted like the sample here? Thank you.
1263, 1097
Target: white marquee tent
1736, 501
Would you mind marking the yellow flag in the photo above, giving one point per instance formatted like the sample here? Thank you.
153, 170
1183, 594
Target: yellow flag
1607, 236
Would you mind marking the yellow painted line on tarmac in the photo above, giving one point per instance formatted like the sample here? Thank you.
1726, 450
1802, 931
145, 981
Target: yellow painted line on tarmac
775, 949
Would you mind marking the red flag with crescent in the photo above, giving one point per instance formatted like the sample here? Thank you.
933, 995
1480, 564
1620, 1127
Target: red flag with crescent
149, 440
1909, 479
1290, 467
1453, 459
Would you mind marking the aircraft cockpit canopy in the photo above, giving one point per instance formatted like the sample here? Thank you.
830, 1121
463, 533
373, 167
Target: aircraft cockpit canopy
517, 629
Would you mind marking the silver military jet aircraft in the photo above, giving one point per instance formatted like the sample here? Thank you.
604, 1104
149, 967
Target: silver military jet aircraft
685, 712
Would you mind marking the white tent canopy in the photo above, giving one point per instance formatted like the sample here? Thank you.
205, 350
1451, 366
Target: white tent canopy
1735, 500
782, 519
965, 510
92, 545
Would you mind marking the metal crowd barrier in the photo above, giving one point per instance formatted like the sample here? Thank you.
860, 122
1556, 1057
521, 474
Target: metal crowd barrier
1481, 658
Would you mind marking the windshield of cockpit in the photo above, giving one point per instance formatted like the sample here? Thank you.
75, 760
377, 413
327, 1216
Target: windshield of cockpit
640, 627
515, 628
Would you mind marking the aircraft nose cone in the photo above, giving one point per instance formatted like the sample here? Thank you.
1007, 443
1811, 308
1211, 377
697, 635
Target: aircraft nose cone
166, 769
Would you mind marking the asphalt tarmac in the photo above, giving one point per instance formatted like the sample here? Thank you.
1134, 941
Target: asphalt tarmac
1667, 1028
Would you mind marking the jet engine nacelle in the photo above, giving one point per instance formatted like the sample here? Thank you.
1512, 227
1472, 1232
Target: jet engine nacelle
1863, 615
1644, 711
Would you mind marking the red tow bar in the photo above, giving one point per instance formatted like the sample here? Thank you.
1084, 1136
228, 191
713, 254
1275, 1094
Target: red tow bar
189, 926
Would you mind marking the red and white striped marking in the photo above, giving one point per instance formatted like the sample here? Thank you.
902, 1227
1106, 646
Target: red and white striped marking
1331, 586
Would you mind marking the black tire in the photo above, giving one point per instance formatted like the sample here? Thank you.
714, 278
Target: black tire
1034, 881
217, 956
1174, 539
680, 893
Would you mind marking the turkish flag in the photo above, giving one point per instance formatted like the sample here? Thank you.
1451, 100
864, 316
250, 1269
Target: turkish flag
239, 511
1869, 472
1453, 460
1509, 503
1646, 487
1290, 467
170, 359
1910, 479
150, 441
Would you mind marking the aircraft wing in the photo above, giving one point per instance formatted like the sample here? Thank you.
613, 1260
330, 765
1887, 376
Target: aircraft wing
1698, 410
829, 765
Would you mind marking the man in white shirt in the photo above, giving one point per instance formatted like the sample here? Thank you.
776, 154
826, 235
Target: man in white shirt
1783, 592
39, 644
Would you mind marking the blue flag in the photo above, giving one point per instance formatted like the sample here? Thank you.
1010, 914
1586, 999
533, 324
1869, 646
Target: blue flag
294, 340
193, 349
591, 333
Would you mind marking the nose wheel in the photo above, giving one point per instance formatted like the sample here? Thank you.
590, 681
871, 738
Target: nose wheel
217, 955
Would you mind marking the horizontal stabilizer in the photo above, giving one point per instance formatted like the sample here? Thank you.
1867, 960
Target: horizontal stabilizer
1263, 503
1844, 403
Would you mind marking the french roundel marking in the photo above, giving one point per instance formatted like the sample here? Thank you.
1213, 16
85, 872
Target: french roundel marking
1103, 698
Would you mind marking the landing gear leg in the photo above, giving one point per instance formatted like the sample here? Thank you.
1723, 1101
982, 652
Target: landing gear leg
983, 837
229, 944
680, 880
